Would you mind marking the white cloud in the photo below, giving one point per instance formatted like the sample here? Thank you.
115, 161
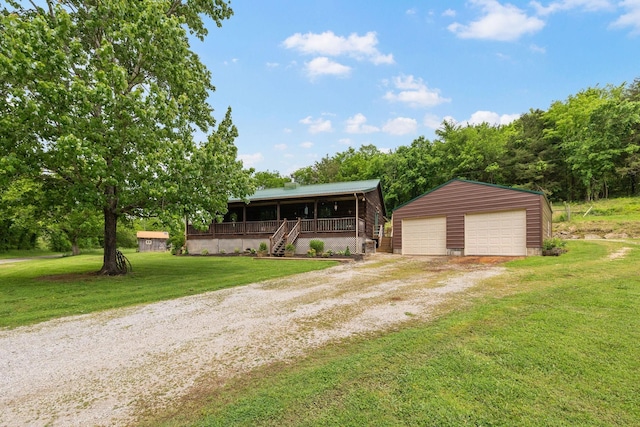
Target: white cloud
280, 147
317, 125
499, 22
330, 44
400, 126
491, 118
272, 65
324, 66
414, 92
537, 49
384, 150
557, 6
357, 124
631, 18
306, 144
250, 160
287, 130
432, 121
345, 141
449, 12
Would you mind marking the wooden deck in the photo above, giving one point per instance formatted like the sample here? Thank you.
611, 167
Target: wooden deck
308, 226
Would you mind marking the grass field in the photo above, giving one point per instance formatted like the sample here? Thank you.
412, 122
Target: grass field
618, 216
553, 342
38, 290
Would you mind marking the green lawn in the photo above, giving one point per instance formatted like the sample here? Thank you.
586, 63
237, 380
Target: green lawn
38, 290
553, 342
18, 253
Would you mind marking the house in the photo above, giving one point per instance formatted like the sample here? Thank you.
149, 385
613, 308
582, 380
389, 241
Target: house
472, 218
152, 241
343, 215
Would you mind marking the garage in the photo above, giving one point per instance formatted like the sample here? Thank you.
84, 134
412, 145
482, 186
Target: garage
462, 217
496, 233
424, 236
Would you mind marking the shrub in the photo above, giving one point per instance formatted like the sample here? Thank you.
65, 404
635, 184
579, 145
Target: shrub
311, 253
222, 251
317, 246
347, 252
236, 250
262, 247
176, 242
204, 252
554, 246
290, 247
552, 243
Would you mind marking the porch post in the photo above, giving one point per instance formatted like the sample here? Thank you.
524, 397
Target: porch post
278, 210
357, 223
315, 215
244, 219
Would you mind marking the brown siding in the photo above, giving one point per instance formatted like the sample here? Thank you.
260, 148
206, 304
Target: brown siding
374, 202
458, 198
455, 231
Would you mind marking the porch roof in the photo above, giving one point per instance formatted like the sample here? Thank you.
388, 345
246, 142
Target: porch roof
317, 190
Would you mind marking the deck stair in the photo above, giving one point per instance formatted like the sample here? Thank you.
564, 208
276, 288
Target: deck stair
283, 236
385, 245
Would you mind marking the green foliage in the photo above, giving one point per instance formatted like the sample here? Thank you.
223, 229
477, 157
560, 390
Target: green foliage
311, 253
317, 245
553, 243
585, 147
347, 252
123, 94
289, 247
262, 247
176, 242
269, 179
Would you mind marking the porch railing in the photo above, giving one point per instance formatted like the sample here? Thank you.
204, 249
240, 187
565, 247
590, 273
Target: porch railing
321, 225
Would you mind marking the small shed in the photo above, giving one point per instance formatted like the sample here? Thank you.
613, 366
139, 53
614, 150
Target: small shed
464, 217
152, 241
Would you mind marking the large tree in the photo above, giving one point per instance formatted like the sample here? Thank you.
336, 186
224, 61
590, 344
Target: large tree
101, 98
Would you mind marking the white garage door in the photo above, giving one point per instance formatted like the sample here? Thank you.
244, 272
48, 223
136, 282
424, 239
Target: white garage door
424, 236
497, 233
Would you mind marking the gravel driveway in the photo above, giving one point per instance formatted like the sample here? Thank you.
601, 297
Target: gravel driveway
102, 368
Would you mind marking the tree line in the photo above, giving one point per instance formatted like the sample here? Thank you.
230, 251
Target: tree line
582, 148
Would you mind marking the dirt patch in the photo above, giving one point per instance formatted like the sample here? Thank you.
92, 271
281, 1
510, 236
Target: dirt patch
107, 368
486, 260
621, 253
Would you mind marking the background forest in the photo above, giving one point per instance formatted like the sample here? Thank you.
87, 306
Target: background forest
583, 148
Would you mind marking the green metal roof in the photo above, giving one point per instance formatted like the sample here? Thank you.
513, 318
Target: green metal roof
317, 190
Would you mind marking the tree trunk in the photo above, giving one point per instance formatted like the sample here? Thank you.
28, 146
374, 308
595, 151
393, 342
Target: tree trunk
109, 264
75, 249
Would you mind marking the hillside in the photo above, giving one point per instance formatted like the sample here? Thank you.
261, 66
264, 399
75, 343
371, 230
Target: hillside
606, 219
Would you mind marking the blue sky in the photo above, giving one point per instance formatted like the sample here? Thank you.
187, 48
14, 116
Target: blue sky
306, 79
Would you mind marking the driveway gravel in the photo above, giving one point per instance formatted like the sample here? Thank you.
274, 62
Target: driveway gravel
103, 368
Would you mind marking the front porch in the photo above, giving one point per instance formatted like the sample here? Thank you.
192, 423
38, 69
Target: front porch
343, 215
337, 233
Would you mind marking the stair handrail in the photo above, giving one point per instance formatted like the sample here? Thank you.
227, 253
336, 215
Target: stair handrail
278, 236
294, 233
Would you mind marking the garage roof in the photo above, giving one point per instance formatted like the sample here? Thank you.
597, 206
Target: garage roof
294, 190
472, 182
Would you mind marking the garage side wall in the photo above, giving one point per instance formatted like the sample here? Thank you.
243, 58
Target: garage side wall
458, 198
